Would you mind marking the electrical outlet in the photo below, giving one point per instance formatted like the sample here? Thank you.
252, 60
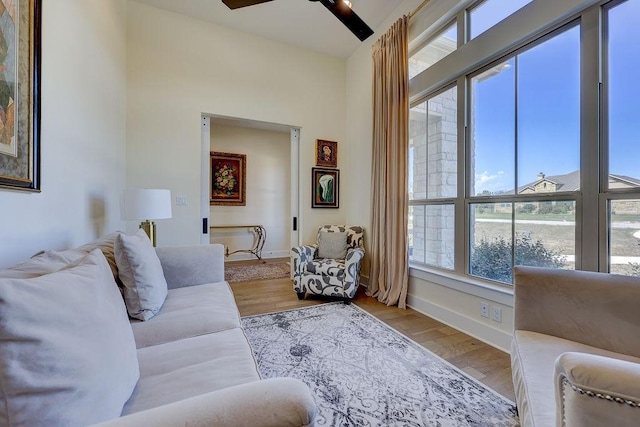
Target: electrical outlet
496, 314
181, 200
484, 309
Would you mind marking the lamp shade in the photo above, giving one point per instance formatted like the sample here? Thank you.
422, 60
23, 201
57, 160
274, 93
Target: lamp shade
146, 203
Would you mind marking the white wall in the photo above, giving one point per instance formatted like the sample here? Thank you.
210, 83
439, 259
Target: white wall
458, 304
83, 132
180, 68
268, 186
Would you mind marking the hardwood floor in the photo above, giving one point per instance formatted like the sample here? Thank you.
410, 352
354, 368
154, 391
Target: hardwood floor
483, 362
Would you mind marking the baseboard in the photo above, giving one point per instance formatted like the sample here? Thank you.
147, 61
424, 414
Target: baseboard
265, 255
492, 336
364, 281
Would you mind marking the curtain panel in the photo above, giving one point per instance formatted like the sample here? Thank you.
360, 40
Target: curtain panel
388, 274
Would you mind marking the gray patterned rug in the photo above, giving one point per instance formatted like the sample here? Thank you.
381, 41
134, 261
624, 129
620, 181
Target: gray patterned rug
251, 272
364, 373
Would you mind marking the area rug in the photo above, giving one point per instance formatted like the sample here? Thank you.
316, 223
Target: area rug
362, 372
250, 272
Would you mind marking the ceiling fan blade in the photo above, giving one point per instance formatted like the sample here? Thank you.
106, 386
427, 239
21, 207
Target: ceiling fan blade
236, 4
348, 17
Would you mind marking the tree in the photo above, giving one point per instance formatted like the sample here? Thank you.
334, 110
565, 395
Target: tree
492, 259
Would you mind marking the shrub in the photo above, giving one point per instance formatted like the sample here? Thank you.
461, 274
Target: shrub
635, 268
526, 208
545, 208
492, 259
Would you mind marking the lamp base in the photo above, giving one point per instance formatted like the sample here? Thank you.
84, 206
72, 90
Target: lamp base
149, 227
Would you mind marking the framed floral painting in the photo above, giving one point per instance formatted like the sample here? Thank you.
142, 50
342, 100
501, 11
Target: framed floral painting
228, 179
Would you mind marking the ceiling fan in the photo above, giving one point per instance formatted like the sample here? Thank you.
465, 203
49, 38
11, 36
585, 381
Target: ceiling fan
340, 8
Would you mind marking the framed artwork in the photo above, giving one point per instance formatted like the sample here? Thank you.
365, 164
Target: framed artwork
228, 179
326, 153
20, 94
325, 188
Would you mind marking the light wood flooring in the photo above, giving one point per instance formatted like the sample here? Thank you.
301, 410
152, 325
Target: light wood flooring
483, 362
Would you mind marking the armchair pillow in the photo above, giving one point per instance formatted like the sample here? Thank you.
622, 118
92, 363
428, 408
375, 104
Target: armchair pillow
332, 245
66, 345
139, 268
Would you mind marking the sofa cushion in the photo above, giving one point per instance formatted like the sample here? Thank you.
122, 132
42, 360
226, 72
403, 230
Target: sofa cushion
67, 354
533, 357
145, 287
186, 368
326, 267
189, 312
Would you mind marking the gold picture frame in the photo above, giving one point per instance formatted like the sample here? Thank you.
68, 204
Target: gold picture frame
228, 179
326, 153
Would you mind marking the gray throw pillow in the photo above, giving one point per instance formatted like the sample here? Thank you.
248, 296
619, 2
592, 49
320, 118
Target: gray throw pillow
332, 245
68, 357
139, 269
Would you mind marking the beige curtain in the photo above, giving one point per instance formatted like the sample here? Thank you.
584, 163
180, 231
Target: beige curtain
388, 274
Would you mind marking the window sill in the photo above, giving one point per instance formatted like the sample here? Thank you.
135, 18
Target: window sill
481, 289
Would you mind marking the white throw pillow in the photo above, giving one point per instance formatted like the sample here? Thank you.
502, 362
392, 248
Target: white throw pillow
40, 264
67, 353
332, 245
140, 271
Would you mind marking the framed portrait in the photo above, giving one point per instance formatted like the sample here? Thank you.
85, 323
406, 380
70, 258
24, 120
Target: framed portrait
326, 153
325, 188
20, 94
228, 179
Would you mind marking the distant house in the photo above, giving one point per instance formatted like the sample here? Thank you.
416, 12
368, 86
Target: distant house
571, 182
567, 182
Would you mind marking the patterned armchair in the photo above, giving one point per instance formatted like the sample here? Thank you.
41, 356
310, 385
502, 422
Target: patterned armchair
335, 277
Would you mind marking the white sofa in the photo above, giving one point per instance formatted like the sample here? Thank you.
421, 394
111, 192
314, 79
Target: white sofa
194, 364
575, 354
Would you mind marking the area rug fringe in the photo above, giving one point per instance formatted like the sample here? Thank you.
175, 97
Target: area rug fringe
310, 343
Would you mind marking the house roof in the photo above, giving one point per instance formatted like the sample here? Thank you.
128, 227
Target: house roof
567, 182
628, 179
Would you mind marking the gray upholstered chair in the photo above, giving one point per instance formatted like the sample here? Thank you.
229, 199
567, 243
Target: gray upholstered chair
332, 266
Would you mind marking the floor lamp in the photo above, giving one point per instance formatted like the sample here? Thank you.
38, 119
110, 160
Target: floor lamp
146, 204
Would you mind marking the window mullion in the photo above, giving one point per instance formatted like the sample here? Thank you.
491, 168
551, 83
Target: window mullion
590, 216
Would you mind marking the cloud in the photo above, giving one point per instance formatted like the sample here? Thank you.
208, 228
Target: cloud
489, 182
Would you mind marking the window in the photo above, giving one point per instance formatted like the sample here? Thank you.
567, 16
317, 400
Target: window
623, 102
525, 118
434, 50
433, 178
488, 13
545, 163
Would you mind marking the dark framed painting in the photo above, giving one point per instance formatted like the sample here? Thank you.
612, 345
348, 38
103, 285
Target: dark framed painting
228, 179
20, 24
325, 188
326, 153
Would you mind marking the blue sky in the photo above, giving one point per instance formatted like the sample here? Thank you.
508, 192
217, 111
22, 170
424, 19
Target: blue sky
548, 109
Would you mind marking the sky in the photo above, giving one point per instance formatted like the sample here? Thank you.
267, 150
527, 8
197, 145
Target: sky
548, 110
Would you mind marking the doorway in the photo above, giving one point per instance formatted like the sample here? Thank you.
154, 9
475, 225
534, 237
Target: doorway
272, 189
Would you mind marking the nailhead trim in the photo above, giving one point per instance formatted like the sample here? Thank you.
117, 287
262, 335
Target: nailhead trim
605, 397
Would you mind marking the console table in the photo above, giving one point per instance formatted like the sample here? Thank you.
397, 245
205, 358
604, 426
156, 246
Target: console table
258, 244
